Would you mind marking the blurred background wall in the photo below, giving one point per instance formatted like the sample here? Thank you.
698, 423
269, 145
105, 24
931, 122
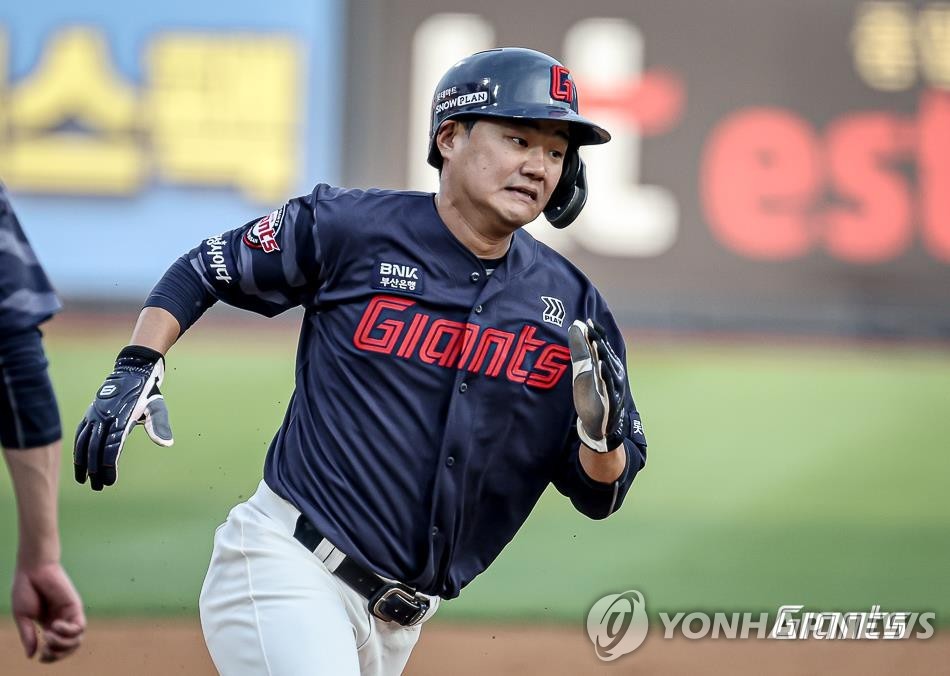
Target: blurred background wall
127, 133
776, 165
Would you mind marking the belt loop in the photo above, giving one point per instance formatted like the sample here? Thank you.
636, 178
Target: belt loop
333, 561
324, 549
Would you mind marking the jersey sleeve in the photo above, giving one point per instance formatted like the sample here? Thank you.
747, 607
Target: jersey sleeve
268, 265
27, 298
592, 498
181, 291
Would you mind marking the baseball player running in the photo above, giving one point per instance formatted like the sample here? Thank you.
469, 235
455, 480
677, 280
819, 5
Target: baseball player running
449, 368
31, 438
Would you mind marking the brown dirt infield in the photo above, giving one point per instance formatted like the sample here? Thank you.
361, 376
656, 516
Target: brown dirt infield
160, 647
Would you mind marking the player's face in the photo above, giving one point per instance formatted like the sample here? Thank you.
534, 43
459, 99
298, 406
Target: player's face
507, 169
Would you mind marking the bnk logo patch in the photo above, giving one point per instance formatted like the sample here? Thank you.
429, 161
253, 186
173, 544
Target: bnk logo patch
397, 277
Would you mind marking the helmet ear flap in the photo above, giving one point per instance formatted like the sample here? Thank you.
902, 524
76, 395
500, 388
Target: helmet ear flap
570, 194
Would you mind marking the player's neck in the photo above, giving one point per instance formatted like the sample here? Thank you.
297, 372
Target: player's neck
477, 237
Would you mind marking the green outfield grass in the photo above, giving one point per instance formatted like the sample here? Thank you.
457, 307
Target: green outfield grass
776, 475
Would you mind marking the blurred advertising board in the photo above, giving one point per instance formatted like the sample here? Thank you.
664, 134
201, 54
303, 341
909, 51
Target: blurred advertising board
128, 133
775, 165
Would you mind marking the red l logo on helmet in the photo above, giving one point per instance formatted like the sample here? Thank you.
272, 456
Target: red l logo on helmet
562, 87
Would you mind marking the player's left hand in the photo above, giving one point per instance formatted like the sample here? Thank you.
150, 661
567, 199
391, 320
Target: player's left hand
600, 387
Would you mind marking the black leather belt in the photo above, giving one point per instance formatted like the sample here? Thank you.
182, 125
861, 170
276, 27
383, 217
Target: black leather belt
389, 601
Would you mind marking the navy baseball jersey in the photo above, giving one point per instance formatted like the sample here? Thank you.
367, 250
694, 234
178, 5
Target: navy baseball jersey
27, 298
433, 400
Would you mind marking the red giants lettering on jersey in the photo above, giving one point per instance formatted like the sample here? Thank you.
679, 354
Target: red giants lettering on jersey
389, 327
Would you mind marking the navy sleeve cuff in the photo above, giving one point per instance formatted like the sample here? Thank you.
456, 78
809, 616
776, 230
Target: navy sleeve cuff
181, 292
594, 499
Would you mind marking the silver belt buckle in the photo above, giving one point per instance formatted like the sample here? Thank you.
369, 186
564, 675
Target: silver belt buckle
405, 596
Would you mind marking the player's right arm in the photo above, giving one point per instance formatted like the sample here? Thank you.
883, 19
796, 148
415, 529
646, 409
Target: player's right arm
267, 266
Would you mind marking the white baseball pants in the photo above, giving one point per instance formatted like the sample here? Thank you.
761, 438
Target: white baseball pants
269, 606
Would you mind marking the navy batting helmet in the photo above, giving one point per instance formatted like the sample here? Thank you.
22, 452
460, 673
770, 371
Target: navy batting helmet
519, 83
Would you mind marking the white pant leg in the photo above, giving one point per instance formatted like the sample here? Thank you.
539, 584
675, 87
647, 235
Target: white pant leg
269, 606
387, 648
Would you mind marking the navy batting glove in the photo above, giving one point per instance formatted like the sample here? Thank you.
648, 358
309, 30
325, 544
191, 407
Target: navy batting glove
129, 396
600, 387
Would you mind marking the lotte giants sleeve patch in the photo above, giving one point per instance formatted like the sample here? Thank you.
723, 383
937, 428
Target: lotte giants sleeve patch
263, 234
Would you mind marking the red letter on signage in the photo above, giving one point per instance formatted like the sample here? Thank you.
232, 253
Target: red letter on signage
760, 176
874, 222
934, 148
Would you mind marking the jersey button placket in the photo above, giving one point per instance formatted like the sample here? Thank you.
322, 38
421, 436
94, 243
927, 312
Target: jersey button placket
478, 309
463, 388
449, 461
475, 276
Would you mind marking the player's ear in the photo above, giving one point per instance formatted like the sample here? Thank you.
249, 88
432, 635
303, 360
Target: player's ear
449, 138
